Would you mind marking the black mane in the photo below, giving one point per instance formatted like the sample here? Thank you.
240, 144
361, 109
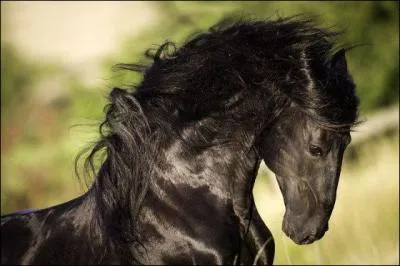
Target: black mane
243, 73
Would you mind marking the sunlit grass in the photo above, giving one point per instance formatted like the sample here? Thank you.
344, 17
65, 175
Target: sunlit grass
364, 227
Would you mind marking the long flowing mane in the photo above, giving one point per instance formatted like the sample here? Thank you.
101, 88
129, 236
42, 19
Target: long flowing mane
247, 71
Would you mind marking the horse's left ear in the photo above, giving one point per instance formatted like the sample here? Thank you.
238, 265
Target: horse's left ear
338, 61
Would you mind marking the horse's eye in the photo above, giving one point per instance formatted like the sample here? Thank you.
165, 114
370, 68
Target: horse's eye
315, 151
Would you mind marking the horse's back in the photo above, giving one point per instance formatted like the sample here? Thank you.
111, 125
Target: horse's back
50, 236
17, 237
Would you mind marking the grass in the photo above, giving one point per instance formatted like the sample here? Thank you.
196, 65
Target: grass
364, 227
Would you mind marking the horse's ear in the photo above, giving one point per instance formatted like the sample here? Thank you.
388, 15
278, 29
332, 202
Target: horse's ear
338, 61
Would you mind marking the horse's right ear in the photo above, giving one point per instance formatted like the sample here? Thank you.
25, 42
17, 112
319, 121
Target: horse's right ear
338, 61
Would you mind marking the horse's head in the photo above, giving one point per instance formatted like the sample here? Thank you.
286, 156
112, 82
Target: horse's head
306, 157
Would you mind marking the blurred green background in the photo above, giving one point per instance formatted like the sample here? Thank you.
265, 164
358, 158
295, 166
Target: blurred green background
56, 71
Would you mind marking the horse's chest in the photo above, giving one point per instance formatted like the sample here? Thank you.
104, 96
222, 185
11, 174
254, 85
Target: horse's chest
177, 245
202, 233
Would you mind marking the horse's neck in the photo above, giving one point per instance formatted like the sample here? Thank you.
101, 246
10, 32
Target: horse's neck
226, 171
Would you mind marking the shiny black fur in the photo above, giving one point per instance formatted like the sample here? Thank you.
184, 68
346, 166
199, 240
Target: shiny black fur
183, 149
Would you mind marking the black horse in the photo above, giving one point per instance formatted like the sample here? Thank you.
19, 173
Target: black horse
183, 149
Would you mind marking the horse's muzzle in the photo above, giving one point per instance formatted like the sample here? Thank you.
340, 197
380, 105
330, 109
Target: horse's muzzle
304, 232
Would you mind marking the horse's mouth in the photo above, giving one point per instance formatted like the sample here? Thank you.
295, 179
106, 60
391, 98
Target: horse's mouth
308, 239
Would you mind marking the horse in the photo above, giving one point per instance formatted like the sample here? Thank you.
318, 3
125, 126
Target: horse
182, 148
